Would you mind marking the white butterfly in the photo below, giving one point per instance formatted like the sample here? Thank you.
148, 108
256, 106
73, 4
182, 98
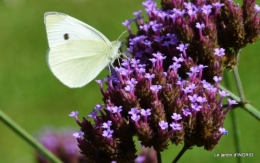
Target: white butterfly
78, 52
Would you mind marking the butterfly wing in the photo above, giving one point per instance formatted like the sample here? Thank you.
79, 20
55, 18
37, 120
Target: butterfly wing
78, 52
62, 28
75, 63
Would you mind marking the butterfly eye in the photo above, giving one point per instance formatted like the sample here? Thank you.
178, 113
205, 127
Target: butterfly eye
66, 36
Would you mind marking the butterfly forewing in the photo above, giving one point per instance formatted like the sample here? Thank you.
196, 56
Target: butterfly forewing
78, 52
61, 28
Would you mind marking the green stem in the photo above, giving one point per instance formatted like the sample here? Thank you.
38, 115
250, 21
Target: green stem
159, 157
239, 85
246, 106
183, 150
235, 130
28, 138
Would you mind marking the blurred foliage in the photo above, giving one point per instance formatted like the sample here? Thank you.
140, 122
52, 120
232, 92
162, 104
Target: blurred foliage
34, 98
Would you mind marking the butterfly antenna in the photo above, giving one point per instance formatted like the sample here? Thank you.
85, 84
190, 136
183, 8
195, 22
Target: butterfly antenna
110, 69
122, 34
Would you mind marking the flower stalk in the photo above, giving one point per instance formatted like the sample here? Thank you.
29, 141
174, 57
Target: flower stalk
28, 138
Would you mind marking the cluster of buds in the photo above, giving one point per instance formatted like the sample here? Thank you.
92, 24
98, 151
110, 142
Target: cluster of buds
168, 91
62, 144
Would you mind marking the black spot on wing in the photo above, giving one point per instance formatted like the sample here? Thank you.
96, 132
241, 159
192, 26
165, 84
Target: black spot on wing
66, 36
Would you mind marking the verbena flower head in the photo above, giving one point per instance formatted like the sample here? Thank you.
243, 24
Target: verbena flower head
168, 91
62, 144
158, 110
203, 25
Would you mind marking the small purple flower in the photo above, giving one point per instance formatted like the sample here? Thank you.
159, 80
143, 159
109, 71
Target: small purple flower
189, 5
200, 26
192, 86
93, 114
107, 124
153, 60
109, 108
187, 90
141, 70
206, 9
149, 76
166, 43
181, 82
175, 126
163, 125
135, 62
134, 111
186, 112
218, 5
146, 112
140, 159
159, 56
132, 81
116, 109
147, 43
223, 131
201, 99
156, 88
177, 60
193, 98
125, 62
78, 134
98, 107
135, 117
157, 27
107, 133
196, 107
158, 38
219, 52
137, 13
194, 70
144, 27
175, 66
223, 93
129, 88
99, 81
182, 47
176, 116
208, 86
232, 102
217, 79
257, 8
127, 23
74, 114
122, 71
201, 67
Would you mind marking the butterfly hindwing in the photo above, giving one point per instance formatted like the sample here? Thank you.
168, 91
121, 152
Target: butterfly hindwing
76, 63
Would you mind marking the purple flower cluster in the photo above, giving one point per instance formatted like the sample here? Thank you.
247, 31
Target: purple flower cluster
168, 90
62, 144
204, 25
157, 107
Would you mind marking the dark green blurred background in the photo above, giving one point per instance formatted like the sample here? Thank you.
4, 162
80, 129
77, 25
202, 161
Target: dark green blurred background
34, 98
